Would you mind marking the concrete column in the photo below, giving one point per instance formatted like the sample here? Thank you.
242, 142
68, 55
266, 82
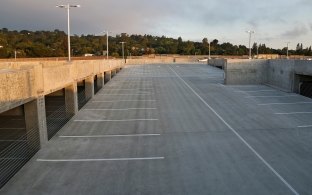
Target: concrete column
36, 125
107, 76
100, 80
113, 73
89, 87
71, 99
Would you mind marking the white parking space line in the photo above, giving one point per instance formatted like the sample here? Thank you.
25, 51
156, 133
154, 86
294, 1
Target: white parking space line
107, 89
105, 136
305, 126
238, 135
103, 94
117, 120
119, 109
100, 159
278, 103
254, 91
125, 101
274, 96
291, 113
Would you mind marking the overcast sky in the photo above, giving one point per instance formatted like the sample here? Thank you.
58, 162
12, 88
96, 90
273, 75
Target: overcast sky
275, 21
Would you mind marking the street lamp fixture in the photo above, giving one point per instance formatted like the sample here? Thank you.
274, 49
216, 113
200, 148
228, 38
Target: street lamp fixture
107, 42
250, 33
209, 57
287, 49
123, 50
68, 6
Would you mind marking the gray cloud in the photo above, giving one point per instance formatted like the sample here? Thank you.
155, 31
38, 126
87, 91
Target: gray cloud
297, 31
162, 17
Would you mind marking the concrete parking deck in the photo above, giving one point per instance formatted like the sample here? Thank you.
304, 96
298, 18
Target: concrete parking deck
176, 129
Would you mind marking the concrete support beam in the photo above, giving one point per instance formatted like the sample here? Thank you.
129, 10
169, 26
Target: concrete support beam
114, 72
100, 80
71, 99
89, 87
107, 76
36, 125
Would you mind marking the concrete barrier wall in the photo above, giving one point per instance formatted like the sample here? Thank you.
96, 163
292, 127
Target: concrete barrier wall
242, 72
162, 60
21, 82
280, 74
220, 63
16, 87
303, 67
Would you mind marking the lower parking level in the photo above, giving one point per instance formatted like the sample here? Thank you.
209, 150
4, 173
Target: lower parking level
176, 129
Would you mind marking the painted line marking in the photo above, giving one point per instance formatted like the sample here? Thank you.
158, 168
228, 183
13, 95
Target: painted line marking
253, 91
127, 89
128, 101
100, 159
294, 103
244, 86
121, 120
103, 94
103, 136
238, 135
121, 109
290, 113
305, 126
277, 96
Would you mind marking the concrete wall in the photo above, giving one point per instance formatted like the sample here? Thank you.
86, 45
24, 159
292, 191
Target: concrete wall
162, 60
241, 72
303, 67
280, 74
21, 82
220, 63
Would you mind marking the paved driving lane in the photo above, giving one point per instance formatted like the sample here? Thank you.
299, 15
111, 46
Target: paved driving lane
175, 129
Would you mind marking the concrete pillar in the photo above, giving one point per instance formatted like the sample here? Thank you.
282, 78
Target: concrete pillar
89, 87
36, 125
100, 80
113, 73
107, 76
71, 99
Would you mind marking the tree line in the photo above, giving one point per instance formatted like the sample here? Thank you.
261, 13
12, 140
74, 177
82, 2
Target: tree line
54, 44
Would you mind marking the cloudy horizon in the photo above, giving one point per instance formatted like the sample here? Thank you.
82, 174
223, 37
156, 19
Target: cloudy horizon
275, 22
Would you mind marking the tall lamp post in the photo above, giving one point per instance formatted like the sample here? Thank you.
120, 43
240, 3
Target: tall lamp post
250, 33
209, 50
68, 6
123, 50
107, 42
287, 49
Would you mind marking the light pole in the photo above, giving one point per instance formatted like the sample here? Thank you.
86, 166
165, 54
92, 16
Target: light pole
68, 6
123, 50
209, 50
107, 42
287, 49
250, 33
